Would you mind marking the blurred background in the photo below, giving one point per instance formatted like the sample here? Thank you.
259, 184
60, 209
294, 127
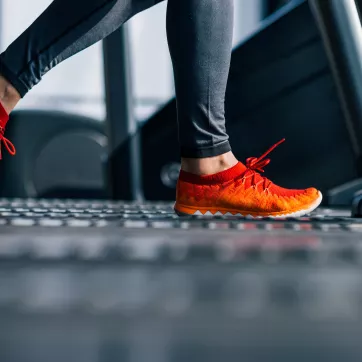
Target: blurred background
77, 85
113, 107
89, 275
74, 101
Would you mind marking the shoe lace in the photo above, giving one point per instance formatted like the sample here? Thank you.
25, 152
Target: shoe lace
8, 145
255, 165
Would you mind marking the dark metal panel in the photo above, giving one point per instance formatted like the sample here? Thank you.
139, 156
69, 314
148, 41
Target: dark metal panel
341, 30
271, 6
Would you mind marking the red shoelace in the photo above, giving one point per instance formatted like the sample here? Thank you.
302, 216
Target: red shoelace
8, 145
257, 164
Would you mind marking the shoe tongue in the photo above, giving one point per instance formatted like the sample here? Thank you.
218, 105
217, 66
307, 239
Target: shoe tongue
252, 180
4, 117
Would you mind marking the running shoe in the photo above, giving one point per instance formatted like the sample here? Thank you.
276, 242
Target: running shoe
4, 118
242, 191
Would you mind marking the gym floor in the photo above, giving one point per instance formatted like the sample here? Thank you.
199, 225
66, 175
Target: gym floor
126, 281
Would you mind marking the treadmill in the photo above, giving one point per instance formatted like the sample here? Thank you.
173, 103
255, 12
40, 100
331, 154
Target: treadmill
281, 85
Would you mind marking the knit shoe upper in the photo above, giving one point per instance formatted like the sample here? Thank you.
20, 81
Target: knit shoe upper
241, 190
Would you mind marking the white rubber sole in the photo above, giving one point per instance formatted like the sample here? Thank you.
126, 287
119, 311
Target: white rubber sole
298, 213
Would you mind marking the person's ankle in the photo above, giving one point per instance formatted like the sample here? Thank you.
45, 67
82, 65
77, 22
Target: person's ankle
9, 96
209, 165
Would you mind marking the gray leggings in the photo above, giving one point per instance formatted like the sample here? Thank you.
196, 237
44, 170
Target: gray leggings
200, 38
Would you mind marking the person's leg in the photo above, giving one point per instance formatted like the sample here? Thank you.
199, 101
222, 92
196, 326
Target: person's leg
65, 28
200, 39
211, 180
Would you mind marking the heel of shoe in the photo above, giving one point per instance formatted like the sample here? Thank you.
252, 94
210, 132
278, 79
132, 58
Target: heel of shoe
181, 214
182, 210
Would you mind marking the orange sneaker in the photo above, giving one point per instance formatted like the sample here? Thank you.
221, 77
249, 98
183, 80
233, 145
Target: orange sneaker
242, 191
4, 117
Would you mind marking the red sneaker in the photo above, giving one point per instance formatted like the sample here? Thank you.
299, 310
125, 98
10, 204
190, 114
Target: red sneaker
242, 191
4, 117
